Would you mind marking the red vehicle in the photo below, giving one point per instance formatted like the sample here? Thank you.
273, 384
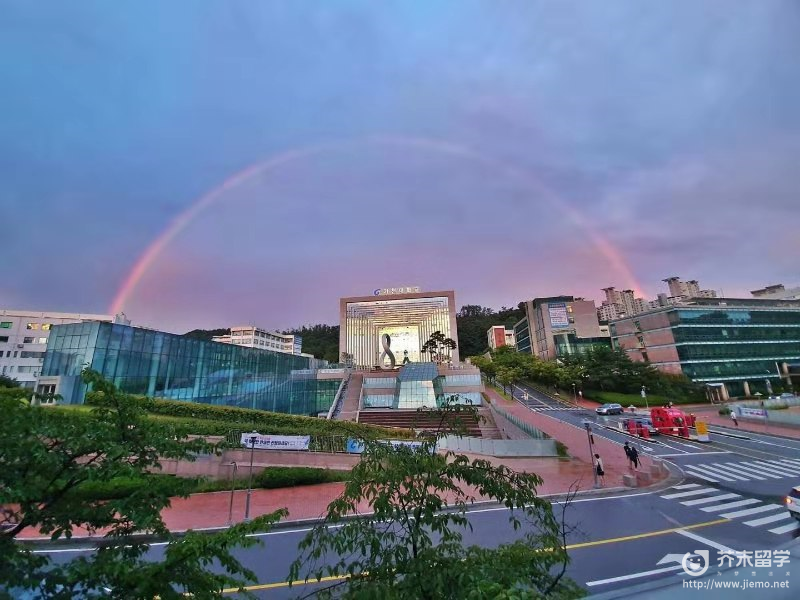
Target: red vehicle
670, 421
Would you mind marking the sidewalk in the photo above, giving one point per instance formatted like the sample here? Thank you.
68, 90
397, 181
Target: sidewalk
710, 414
576, 440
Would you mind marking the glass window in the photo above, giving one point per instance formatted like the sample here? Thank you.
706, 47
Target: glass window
32, 326
3, 338
42, 340
46, 326
5, 325
27, 340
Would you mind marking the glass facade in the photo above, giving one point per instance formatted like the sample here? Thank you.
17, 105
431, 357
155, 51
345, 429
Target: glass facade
732, 342
522, 335
567, 344
165, 365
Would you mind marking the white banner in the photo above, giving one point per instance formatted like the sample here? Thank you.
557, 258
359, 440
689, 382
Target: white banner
753, 413
276, 442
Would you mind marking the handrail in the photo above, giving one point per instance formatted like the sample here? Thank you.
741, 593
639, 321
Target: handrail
338, 398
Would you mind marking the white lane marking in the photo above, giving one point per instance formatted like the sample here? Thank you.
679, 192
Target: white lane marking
691, 493
769, 519
786, 528
727, 472
787, 471
751, 511
727, 505
686, 486
774, 444
705, 472
663, 443
632, 576
702, 476
710, 499
795, 464
702, 540
733, 469
696, 453
751, 469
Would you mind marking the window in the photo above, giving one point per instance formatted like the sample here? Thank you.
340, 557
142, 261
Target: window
5, 325
27, 340
25, 354
3, 338
32, 326
42, 340
15, 354
46, 326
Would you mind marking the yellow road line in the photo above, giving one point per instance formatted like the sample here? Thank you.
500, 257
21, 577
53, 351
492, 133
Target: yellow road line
627, 538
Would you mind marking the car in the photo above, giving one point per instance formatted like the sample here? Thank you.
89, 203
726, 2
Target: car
793, 502
609, 409
643, 422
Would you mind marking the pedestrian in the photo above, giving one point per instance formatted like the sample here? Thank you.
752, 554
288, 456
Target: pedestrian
634, 457
628, 454
601, 474
734, 419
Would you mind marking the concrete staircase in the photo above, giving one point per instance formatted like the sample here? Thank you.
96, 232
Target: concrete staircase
349, 411
488, 427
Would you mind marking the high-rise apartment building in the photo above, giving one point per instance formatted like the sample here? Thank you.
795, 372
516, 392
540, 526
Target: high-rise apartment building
684, 290
250, 336
777, 292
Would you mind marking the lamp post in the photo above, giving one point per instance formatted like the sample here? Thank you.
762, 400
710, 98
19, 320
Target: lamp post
233, 488
574, 394
644, 395
253, 438
588, 427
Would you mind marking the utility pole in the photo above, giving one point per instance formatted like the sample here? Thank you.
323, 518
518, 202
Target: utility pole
588, 427
253, 439
233, 488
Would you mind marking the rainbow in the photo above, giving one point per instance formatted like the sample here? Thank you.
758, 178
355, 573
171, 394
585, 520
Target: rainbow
179, 223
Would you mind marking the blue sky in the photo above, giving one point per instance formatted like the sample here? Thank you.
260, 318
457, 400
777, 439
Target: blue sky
672, 128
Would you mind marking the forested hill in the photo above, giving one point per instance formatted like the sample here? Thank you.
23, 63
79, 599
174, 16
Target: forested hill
474, 321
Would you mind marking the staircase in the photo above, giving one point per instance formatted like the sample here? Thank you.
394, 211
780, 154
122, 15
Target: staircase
349, 410
421, 420
488, 427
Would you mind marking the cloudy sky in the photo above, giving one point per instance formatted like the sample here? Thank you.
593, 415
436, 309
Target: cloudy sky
259, 159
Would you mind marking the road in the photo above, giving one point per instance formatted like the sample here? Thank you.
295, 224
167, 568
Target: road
729, 498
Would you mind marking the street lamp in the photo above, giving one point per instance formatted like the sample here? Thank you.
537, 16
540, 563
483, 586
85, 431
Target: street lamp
233, 488
252, 438
644, 395
574, 394
588, 427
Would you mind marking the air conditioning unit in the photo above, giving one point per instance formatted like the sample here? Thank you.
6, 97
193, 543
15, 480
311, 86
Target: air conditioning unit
20, 345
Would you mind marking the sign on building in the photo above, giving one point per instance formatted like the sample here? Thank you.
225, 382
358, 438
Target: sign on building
396, 290
559, 316
276, 442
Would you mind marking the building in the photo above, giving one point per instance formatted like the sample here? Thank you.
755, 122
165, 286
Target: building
558, 326
165, 365
777, 292
732, 345
392, 325
23, 340
420, 385
250, 336
685, 290
498, 336
620, 304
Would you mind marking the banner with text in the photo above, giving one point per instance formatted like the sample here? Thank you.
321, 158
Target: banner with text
753, 413
276, 442
559, 315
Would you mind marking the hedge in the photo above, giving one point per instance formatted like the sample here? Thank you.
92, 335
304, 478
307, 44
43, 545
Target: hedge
261, 420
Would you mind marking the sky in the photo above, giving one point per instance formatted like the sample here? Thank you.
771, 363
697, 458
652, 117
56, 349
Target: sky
260, 159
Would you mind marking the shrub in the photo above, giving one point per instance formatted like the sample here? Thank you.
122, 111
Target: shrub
279, 477
725, 410
561, 449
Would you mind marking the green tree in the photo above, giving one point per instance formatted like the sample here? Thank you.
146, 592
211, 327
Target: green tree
508, 376
8, 382
51, 458
411, 545
439, 347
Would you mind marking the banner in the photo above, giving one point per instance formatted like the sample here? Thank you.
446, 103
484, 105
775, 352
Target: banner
753, 413
559, 317
276, 442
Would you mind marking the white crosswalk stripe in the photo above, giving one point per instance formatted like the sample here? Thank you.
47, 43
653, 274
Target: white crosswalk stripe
752, 470
729, 505
786, 471
711, 499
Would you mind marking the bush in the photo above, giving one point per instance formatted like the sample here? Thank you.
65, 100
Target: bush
725, 411
280, 477
561, 449
122, 487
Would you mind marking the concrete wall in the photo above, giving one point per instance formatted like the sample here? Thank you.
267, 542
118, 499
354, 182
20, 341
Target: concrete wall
501, 448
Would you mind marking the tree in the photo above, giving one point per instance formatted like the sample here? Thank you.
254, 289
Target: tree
439, 347
411, 545
8, 382
51, 458
508, 376
206, 334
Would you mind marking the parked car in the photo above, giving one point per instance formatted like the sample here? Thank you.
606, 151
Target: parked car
643, 422
793, 502
609, 409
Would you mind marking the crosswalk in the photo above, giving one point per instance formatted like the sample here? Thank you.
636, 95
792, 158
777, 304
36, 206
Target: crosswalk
729, 505
540, 408
752, 470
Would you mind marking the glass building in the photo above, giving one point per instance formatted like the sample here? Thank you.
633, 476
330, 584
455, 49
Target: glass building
421, 385
165, 365
742, 344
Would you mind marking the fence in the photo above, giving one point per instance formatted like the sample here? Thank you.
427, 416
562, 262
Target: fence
506, 448
524, 426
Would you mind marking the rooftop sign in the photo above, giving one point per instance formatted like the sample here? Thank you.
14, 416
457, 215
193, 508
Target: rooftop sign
396, 290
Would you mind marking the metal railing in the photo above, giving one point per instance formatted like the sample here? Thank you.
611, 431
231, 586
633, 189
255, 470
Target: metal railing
523, 425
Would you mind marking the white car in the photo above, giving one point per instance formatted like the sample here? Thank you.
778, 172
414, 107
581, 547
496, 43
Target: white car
793, 502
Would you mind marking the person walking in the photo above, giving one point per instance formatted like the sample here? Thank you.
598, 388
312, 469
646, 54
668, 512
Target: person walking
734, 419
627, 449
601, 473
634, 457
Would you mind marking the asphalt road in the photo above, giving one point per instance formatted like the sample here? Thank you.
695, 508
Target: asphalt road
729, 498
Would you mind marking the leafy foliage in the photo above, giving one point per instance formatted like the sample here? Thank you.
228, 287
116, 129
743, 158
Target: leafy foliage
411, 545
49, 459
320, 340
8, 382
439, 347
206, 334
474, 321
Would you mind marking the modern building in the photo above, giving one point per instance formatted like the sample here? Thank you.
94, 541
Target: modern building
620, 304
407, 318
250, 336
421, 385
559, 326
777, 292
733, 345
685, 290
23, 340
165, 365
498, 336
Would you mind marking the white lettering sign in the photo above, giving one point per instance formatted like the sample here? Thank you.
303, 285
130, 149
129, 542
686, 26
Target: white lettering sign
396, 290
755, 413
276, 442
